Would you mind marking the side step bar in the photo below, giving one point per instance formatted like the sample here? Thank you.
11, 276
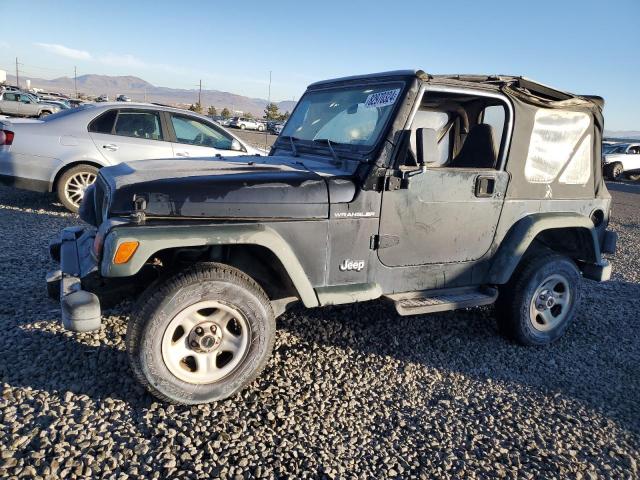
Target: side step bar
430, 301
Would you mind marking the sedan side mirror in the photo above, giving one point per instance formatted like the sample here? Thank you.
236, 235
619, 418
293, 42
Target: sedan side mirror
427, 145
236, 145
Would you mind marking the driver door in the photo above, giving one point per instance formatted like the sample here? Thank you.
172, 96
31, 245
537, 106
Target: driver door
448, 211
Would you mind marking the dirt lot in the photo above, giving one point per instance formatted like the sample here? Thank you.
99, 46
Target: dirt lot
352, 391
257, 139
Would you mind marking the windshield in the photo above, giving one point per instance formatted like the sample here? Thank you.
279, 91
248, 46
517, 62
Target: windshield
67, 111
615, 149
346, 115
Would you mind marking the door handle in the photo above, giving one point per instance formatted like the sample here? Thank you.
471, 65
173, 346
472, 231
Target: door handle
110, 146
182, 154
485, 186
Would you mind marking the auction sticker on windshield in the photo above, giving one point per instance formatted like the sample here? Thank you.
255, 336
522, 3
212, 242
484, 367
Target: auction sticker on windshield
382, 99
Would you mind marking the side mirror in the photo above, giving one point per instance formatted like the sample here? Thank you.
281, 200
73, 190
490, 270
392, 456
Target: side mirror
235, 145
427, 145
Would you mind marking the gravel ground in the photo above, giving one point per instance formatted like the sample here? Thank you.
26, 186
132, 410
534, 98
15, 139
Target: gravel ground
352, 391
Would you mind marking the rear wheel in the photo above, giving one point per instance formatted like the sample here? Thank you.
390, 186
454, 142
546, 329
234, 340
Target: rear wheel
73, 183
202, 335
44, 113
539, 303
260, 128
242, 126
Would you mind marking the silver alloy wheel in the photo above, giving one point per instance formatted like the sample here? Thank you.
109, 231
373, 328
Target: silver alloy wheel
550, 303
76, 185
205, 342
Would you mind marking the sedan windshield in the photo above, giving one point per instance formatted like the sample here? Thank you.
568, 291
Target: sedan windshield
616, 149
346, 115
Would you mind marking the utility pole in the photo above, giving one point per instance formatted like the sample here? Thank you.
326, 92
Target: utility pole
75, 80
17, 75
200, 95
266, 135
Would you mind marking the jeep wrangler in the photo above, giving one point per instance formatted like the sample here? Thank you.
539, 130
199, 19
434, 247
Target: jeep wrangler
433, 192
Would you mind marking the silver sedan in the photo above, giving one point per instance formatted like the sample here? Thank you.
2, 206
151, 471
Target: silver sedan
63, 152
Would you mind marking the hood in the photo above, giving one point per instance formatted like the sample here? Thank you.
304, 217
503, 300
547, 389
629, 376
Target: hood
246, 187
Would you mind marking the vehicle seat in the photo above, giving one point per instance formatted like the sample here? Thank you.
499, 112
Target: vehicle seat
148, 128
478, 150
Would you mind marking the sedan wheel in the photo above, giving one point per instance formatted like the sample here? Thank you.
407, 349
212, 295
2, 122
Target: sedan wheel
73, 183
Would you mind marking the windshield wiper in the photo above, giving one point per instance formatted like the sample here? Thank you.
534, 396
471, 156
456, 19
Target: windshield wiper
293, 145
330, 145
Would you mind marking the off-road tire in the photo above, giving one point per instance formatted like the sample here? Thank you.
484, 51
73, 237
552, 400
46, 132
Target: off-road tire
165, 299
64, 179
614, 171
514, 301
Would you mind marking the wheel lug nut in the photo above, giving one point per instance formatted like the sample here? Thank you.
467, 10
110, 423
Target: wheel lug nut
194, 344
199, 331
213, 329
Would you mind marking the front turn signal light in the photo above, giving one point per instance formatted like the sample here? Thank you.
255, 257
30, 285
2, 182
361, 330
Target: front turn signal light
124, 252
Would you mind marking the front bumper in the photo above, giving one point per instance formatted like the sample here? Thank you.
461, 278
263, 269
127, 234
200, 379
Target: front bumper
73, 250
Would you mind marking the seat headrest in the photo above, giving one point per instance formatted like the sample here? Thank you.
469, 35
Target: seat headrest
478, 150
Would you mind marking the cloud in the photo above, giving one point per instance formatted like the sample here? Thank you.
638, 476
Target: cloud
117, 60
65, 51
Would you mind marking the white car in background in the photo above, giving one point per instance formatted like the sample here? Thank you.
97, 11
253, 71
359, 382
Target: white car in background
244, 123
63, 152
622, 160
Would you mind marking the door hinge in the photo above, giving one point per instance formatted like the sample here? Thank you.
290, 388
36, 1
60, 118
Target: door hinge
376, 242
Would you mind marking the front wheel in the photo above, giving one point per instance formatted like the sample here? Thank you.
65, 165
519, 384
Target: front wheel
615, 171
242, 127
539, 303
202, 335
73, 183
261, 128
44, 114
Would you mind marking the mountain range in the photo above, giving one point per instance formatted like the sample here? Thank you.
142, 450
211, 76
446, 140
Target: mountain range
622, 134
141, 90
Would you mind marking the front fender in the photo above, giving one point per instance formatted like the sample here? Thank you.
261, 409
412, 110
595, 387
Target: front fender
525, 230
155, 238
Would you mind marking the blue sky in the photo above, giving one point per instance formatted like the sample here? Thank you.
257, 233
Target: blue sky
581, 46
